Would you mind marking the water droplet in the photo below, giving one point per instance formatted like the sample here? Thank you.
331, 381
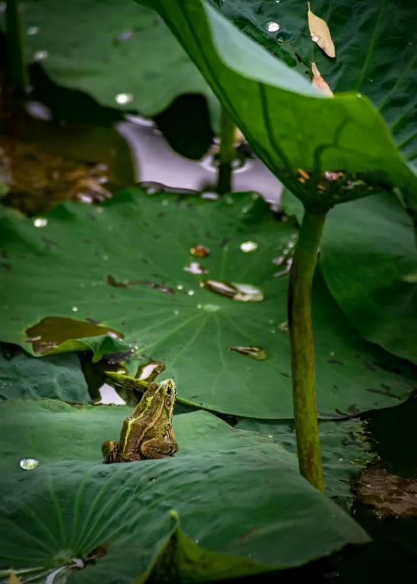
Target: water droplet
248, 246
315, 38
165, 203
74, 309
272, 26
253, 352
123, 98
40, 56
176, 312
235, 290
200, 251
29, 463
195, 268
180, 287
210, 307
38, 110
40, 222
32, 30
125, 36
191, 292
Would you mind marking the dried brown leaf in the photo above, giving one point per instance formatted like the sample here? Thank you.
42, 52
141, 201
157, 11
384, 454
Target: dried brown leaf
390, 495
14, 579
320, 33
319, 82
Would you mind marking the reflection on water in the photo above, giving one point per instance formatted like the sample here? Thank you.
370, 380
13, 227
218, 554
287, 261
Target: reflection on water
156, 161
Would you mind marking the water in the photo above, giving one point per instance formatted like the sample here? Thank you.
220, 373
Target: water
154, 160
248, 246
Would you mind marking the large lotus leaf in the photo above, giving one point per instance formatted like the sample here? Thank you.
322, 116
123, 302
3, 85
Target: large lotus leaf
72, 504
111, 48
290, 125
375, 281
345, 449
375, 50
58, 377
121, 265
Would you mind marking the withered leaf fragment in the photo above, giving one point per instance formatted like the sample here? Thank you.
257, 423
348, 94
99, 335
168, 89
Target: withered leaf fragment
319, 83
320, 33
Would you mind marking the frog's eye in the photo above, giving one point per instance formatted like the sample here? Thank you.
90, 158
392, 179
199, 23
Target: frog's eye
169, 390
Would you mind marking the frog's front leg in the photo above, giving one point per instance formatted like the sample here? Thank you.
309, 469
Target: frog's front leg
111, 451
159, 447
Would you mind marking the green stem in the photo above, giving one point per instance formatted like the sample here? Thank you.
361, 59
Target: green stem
15, 46
302, 348
227, 152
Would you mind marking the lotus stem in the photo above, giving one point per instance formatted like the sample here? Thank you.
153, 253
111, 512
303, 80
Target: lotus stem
302, 348
15, 46
227, 152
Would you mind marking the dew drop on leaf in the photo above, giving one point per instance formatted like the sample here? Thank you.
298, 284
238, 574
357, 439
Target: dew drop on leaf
40, 222
195, 268
32, 30
272, 26
248, 246
124, 98
40, 56
29, 463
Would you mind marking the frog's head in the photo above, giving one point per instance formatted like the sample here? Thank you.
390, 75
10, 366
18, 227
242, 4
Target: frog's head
167, 391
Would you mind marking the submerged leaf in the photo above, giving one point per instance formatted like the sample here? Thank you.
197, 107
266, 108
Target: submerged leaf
320, 33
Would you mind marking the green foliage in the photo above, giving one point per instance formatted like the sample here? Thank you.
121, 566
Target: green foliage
110, 48
345, 448
72, 505
288, 123
57, 377
375, 51
368, 256
143, 243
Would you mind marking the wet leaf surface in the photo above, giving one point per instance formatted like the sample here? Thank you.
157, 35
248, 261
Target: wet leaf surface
100, 55
270, 101
368, 280
191, 329
72, 503
57, 377
376, 51
346, 448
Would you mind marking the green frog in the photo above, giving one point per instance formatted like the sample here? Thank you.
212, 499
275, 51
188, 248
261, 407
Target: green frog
147, 433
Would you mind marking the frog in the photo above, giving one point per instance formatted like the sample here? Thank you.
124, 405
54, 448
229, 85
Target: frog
147, 433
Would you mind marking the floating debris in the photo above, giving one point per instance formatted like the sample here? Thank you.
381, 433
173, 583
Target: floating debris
253, 352
234, 290
390, 495
111, 281
29, 463
195, 268
200, 251
248, 246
